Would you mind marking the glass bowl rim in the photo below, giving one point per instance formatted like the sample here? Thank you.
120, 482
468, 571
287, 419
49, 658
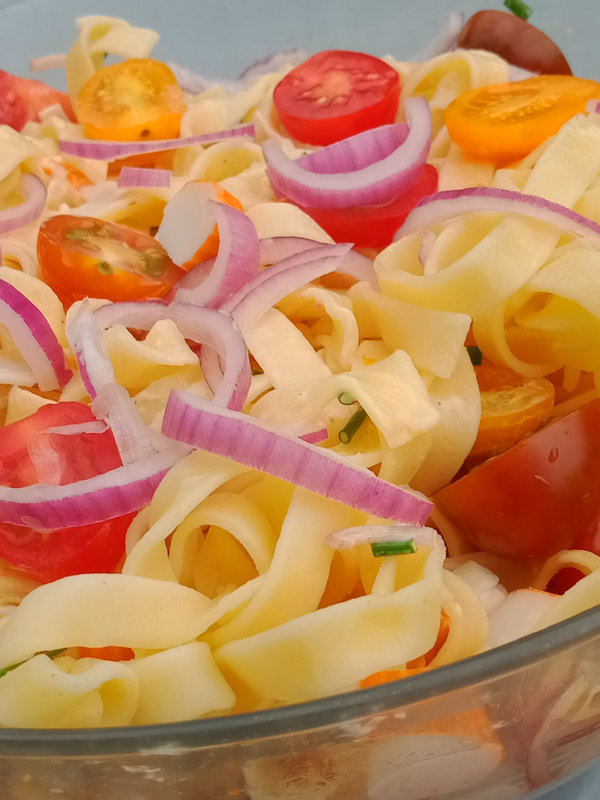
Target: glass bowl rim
314, 714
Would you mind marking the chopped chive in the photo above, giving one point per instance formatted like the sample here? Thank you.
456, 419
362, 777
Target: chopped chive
393, 548
474, 354
353, 424
346, 399
519, 8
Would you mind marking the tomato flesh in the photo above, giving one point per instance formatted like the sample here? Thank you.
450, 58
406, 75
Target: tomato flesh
88, 257
504, 122
374, 226
134, 99
22, 99
33, 450
514, 39
336, 94
536, 498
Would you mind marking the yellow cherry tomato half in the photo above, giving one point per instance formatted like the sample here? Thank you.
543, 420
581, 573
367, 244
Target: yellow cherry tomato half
504, 122
88, 257
134, 99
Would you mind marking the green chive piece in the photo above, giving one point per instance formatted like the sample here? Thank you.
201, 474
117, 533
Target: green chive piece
346, 399
49, 653
353, 424
393, 548
519, 8
474, 354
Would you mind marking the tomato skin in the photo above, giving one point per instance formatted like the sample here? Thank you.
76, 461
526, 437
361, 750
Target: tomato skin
504, 122
374, 226
33, 451
514, 39
88, 257
536, 498
22, 99
336, 94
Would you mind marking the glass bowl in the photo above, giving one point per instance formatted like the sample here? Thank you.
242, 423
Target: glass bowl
519, 721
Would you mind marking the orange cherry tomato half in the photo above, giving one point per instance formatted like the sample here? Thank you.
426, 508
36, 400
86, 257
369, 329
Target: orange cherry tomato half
536, 498
335, 94
134, 99
88, 257
210, 247
374, 226
22, 99
514, 39
511, 408
504, 122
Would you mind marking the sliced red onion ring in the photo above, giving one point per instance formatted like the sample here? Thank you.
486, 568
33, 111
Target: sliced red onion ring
371, 168
271, 285
237, 261
353, 264
445, 205
347, 538
249, 441
314, 437
592, 107
34, 337
46, 508
34, 194
101, 150
145, 178
207, 326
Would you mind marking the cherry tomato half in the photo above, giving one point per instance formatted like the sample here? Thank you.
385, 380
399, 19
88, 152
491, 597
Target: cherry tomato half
374, 226
88, 257
504, 122
33, 451
22, 99
538, 497
336, 94
514, 39
134, 99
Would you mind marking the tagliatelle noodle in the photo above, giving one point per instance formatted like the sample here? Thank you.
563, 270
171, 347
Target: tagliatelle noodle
101, 610
333, 648
65, 693
287, 592
507, 257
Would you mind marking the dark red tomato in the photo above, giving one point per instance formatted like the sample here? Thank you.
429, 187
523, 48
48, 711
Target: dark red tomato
336, 94
88, 257
22, 99
514, 39
34, 450
538, 497
375, 226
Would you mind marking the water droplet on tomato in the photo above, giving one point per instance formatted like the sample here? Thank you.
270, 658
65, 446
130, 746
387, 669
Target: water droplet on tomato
553, 455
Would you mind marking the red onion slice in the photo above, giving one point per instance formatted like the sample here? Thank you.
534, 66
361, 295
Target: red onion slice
271, 285
347, 538
145, 178
249, 441
354, 264
210, 327
447, 204
46, 508
371, 168
34, 201
238, 257
34, 337
101, 150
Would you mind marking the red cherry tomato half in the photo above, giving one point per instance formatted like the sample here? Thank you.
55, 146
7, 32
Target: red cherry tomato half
33, 450
336, 94
375, 226
514, 39
88, 257
538, 497
22, 99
